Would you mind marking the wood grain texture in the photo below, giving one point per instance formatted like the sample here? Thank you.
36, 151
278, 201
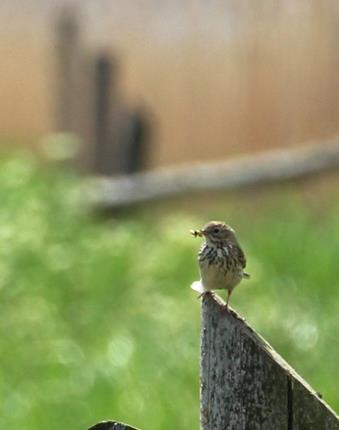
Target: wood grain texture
310, 412
246, 385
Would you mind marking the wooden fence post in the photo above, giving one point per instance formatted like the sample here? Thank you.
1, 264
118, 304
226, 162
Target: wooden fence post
120, 136
246, 385
68, 57
104, 82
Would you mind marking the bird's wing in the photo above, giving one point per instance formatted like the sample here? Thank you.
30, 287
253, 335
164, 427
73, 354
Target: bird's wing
241, 257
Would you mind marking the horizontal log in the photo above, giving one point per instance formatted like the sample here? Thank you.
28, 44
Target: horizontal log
240, 172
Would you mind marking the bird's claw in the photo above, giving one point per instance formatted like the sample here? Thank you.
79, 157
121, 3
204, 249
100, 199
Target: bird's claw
205, 293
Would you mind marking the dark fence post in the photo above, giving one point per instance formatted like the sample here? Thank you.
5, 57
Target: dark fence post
68, 58
113, 139
104, 85
132, 150
111, 425
120, 135
73, 86
246, 385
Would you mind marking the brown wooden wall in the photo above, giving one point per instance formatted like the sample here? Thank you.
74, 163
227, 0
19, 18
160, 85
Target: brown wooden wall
219, 78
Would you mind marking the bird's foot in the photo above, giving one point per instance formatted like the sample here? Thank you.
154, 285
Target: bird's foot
205, 294
226, 308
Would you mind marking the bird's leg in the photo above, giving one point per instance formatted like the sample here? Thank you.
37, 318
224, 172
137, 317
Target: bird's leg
229, 292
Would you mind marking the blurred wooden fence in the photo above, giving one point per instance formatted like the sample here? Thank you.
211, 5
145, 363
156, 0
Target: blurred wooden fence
245, 384
113, 137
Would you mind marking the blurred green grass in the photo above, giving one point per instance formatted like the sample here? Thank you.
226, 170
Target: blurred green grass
97, 319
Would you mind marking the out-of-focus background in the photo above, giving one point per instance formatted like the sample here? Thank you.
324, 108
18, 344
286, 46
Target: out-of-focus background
97, 319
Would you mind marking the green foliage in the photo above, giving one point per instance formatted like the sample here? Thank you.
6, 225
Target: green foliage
97, 319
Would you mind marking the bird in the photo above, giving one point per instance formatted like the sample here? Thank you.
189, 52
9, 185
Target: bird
221, 259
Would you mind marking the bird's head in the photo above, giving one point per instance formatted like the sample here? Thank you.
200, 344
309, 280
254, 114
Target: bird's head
216, 232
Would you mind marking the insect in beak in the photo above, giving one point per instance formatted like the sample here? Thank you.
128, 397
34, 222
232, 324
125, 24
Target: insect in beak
196, 233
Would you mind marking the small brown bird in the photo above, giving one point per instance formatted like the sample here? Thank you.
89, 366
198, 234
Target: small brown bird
221, 259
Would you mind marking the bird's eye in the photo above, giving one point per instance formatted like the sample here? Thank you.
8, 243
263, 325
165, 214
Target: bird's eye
216, 230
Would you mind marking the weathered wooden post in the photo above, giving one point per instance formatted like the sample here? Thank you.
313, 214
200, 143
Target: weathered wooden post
246, 385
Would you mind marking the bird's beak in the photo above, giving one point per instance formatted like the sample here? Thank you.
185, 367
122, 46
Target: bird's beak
202, 232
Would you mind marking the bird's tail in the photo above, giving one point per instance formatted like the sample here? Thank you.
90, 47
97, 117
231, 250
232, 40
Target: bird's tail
198, 287
246, 275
